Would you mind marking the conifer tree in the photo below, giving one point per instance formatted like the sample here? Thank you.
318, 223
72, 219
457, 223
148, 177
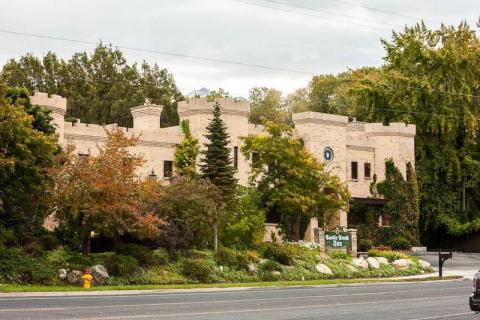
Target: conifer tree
216, 164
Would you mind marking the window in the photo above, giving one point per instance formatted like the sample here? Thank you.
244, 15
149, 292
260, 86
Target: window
255, 157
235, 157
354, 175
367, 170
167, 169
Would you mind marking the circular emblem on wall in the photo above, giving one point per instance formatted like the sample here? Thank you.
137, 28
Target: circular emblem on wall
328, 154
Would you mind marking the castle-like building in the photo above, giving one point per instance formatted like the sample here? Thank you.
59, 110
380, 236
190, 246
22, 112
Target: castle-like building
354, 151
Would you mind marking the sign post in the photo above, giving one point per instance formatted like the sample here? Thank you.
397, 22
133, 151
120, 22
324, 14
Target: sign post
338, 238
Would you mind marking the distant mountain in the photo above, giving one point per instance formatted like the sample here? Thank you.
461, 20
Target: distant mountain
203, 92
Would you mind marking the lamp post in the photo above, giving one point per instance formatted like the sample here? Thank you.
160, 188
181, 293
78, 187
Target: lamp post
152, 175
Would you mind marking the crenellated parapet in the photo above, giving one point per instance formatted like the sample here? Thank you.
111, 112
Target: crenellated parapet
203, 106
54, 103
393, 129
319, 118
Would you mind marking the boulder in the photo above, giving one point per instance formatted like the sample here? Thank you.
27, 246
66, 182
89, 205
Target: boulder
373, 263
424, 264
62, 273
74, 277
382, 260
323, 269
351, 268
252, 267
276, 273
262, 261
99, 274
401, 263
360, 263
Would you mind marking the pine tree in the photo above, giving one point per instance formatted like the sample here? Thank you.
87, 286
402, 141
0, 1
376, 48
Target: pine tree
413, 202
216, 164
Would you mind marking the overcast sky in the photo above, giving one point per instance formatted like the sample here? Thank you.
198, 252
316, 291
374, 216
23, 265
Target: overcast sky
247, 31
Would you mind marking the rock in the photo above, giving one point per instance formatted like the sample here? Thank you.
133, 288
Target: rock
62, 273
401, 263
74, 277
252, 267
373, 263
382, 260
323, 269
360, 262
139, 271
262, 261
424, 264
99, 274
276, 273
351, 268
323, 256
220, 268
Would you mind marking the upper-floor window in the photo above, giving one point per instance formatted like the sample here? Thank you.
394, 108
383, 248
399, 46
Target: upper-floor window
367, 170
354, 170
235, 157
167, 169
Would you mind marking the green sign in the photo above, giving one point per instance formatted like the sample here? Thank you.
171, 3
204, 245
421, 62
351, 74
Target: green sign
336, 239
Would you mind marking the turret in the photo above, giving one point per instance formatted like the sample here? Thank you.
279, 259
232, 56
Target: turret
57, 106
147, 116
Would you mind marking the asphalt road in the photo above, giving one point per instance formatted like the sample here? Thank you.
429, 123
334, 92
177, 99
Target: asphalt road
413, 301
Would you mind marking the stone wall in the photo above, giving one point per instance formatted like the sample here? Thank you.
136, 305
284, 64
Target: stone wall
350, 141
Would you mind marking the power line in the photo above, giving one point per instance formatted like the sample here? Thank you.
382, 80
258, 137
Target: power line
312, 15
216, 60
174, 54
332, 12
383, 11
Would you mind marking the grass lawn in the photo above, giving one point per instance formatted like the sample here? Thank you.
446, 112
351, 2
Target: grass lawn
42, 288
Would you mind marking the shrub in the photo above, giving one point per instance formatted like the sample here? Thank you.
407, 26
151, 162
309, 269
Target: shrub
121, 265
7, 238
79, 261
58, 257
278, 253
158, 275
252, 256
340, 255
198, 269
48, 242
390, 255
16, 268
399, 243
232, 258
33, 249
161, 256
270, 266
365, 245
199, 254
143, 255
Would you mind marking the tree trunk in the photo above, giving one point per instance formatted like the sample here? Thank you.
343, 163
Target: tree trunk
464, 196
296, 229
215, 237
86, 242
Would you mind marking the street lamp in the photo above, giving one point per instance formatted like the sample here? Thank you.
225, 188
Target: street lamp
152, 175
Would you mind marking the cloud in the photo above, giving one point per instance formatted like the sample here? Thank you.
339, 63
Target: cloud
223, 29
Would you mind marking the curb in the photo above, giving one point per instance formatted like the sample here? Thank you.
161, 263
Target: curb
389, 281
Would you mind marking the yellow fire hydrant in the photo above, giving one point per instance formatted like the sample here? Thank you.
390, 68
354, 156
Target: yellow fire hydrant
87, 278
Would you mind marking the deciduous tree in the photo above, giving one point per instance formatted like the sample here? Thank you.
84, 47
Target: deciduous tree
293, 184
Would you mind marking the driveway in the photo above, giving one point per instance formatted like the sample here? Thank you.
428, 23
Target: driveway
464, 264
